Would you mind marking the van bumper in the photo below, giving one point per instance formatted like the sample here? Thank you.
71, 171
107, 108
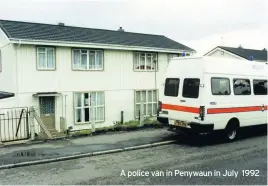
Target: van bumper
196, 128
202, 128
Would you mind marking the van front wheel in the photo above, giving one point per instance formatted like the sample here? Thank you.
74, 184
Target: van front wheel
231, 132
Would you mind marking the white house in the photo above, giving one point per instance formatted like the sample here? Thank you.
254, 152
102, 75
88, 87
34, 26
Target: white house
58, 68
239, 53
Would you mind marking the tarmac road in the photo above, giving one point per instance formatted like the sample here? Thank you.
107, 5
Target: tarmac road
249, 153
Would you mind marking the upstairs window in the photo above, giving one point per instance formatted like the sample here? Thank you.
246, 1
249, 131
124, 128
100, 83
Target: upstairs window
260, 87
145, 61
84, 59
241, 87
46, 58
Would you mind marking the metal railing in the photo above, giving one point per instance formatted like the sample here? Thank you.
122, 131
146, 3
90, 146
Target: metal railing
14, 124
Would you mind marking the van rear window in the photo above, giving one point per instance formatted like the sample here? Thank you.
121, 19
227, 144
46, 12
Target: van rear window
191, 88
172, 87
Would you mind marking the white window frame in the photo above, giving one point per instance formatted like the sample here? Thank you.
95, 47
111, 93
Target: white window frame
147, 102
89, 106
137, 61
46, 59
88, 51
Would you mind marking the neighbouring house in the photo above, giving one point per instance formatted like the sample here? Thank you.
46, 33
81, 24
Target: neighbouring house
71, 73
239, 53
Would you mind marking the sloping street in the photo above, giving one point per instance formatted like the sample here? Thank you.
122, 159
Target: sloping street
249, 153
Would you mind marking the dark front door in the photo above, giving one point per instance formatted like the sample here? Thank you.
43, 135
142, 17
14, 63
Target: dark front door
47, 111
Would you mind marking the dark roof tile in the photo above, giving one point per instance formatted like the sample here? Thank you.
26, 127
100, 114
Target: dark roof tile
38, 31
260, 55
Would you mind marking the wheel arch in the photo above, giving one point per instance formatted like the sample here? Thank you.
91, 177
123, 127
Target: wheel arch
233, 121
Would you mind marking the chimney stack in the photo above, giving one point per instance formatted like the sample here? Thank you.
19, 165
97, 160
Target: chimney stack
61, 24
121, 29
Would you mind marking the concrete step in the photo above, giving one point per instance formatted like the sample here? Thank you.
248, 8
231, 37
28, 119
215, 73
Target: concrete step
53, 132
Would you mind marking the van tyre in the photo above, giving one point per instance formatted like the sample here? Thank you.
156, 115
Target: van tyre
231, 131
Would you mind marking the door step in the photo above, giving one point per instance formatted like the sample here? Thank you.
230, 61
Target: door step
54, 133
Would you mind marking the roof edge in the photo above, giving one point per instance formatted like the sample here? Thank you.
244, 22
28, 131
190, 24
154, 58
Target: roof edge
180, 44
82, 27
96, 45
218, 47
6, 34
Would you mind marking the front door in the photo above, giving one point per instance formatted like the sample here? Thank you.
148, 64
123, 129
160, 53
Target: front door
47, 111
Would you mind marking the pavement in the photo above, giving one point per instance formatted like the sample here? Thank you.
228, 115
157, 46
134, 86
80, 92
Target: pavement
248, 153
23, 155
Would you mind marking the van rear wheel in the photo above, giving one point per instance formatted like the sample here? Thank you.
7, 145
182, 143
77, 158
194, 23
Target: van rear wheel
231, 131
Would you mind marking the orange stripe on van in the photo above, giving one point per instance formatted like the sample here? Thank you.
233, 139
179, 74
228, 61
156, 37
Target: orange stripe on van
181, 108
235, 109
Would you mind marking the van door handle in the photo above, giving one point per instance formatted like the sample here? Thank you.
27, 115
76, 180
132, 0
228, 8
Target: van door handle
182, 100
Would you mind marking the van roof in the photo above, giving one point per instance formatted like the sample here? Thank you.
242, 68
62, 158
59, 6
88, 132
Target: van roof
224, 65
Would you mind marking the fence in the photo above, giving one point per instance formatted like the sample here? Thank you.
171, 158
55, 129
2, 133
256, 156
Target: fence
14, 124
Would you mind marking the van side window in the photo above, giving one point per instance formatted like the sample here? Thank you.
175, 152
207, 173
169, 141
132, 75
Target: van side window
241, 87
260, 87
191, 88
172, 87
220, 86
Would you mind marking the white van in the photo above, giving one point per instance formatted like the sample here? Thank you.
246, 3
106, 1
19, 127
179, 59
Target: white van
203, 94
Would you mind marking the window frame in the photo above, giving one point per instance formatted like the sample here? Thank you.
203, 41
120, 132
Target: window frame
89, 106
220, 78
46, 59
265, 80
135, 54
198, 89
249, 87
88, 54
136, 116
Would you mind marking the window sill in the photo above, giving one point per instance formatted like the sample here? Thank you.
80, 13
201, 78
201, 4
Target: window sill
88, 123
147, 116
145, 71
54, 69
92, 70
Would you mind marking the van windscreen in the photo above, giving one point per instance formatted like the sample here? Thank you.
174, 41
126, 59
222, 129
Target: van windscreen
172, 87
191, 88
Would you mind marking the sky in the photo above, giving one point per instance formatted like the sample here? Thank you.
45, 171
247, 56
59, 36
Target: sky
201, 25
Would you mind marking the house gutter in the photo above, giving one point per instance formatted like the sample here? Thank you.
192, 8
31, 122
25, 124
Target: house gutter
97, 46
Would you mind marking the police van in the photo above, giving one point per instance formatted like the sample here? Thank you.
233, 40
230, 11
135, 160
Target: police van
204, 94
